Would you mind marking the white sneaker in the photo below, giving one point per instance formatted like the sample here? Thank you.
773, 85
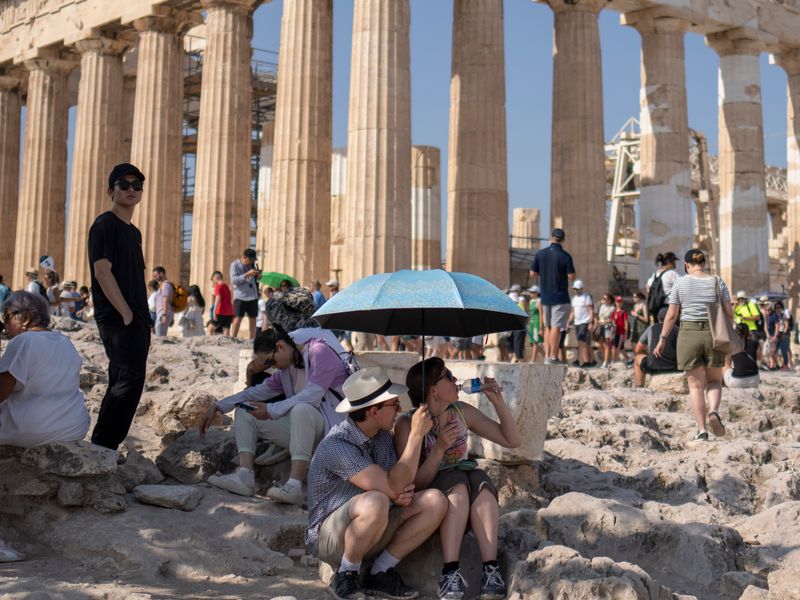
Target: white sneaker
241, 481
604, 365
286, 494
272, 455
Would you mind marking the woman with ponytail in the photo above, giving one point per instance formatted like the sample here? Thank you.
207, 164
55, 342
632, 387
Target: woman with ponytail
293, 408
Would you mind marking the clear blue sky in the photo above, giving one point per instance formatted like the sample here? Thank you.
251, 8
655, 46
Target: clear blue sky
528, 44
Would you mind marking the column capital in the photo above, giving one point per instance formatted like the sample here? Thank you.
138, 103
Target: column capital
50, 60
741, 41
564, 6
104, 44
168, 20
236, 5
12, 79
655, 20
787, 59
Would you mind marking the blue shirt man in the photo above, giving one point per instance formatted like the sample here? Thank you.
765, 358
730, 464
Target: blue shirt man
553, 266
4, 292
319, 297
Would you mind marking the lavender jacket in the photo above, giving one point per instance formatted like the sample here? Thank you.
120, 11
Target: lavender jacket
326, 372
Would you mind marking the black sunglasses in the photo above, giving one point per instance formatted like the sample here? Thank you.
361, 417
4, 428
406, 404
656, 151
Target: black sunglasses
446, 375
125, 185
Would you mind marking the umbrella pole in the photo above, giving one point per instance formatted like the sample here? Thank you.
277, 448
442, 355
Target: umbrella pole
422, 350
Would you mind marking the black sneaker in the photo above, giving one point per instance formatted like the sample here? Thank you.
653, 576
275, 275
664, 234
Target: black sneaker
451, 586
492, 585
346, 586
388, 584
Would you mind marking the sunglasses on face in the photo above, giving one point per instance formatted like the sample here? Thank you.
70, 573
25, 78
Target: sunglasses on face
125, 185
447, 375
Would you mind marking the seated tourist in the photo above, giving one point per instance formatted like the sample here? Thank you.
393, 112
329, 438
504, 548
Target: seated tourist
361, 499
445, 466
40, 397
741, 369
294, 408
644, 361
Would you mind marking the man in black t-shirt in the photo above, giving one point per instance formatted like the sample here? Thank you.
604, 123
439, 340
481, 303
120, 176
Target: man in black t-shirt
120, 304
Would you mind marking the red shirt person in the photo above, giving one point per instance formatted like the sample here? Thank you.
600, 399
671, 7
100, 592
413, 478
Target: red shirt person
223, 307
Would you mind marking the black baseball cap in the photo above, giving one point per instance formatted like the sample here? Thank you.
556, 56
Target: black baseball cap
120, 171
557, 234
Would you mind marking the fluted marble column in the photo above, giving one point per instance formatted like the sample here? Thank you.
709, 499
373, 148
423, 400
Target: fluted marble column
157, 140
665, 202
222, 203
98, 132
128, 107
526, 228
578, 176
264, 190
43, 191
299, 231
477, 207
10, 106
744, 232
338, 210
426, 208
379, 141
790, 62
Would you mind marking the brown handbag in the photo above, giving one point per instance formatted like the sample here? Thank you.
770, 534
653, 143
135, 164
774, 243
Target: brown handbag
723, 334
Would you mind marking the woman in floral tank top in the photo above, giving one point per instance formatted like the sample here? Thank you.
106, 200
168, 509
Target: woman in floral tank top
445, 465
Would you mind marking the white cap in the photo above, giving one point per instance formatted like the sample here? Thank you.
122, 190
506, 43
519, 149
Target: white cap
741, 294
516, 287
577, 284
333, 283
534, 288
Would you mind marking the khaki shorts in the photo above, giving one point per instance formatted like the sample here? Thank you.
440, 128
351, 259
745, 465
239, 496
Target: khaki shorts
330, 542
695, 347
555, 315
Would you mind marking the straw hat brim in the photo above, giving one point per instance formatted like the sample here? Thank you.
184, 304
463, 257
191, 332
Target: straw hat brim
393, 391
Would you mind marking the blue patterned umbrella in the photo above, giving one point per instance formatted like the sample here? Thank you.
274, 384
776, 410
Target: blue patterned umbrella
422, 303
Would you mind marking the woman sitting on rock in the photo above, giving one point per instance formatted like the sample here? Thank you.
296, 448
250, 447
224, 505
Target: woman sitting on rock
294, 408
741, 369
445, 465
40, 398
690, 298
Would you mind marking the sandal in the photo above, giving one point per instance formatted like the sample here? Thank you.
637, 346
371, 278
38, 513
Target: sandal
715, 422
702, 436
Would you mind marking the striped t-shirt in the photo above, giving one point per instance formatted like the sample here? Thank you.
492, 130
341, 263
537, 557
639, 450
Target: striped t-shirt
694, 294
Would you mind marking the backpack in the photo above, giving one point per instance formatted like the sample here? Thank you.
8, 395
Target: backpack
180, 298
656, 297
42, 290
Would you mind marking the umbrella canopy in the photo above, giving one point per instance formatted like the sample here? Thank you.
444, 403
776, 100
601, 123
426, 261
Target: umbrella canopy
273, 279
422, 303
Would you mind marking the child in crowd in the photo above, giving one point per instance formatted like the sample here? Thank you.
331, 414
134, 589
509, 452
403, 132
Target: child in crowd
152, 286
619, 319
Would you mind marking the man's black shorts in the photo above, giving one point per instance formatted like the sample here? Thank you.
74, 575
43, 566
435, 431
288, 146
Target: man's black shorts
222, 322
582, 332
245, 307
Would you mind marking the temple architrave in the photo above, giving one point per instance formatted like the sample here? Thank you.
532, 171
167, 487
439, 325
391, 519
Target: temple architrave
375, 206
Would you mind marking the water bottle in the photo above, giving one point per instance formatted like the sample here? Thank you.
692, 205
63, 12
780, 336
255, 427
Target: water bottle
475, 386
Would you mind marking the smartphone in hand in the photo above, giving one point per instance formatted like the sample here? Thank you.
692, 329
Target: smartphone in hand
246, 406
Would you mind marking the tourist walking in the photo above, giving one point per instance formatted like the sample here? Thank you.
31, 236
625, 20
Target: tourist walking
688, 302
660, 283
119, 297
361, 498
32, 283
5, 292
190, 320
619, 318
164, 297
244, 273
152, 288
746, 311
316, 292
582, 316
517, 338
638, 318
784, 334
554, 269
262, 321
741, 369
222, 307
534, 324
52, 291
445, 466
605, 337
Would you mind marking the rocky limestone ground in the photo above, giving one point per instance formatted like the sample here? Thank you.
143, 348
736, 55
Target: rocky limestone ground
624, 505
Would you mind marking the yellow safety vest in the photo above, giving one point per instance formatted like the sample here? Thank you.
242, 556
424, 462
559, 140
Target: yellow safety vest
738, 313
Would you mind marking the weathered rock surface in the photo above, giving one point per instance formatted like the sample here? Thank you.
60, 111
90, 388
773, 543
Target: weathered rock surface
192, 458
137, 470
183, 497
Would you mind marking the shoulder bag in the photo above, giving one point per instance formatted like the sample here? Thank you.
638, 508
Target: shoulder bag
723, 335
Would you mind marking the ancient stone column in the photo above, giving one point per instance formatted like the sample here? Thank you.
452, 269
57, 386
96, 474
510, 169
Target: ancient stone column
157, 141
477, 208
578, 176
790, 61
338, 210
665, 202
526, 228
264, 187
128, 106
10, 106
744, 233
379, 141
43, 191
98, 133
222, 203
299, 230
426, 208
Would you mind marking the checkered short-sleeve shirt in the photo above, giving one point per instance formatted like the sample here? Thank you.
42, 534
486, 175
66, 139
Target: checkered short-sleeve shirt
343, 453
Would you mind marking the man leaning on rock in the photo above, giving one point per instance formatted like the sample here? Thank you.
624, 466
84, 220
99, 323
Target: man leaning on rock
361, 498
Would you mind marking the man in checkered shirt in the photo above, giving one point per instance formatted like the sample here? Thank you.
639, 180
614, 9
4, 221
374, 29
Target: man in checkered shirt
361, 498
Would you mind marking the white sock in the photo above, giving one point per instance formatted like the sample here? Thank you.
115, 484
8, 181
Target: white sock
346, 565
294, 483
383, 563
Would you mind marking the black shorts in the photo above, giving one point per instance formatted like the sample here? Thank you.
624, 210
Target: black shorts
582, 332
245, 307
619, 341
221, 322
654, 366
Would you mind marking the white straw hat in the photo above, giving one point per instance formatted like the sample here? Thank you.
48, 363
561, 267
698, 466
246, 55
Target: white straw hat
366, 387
